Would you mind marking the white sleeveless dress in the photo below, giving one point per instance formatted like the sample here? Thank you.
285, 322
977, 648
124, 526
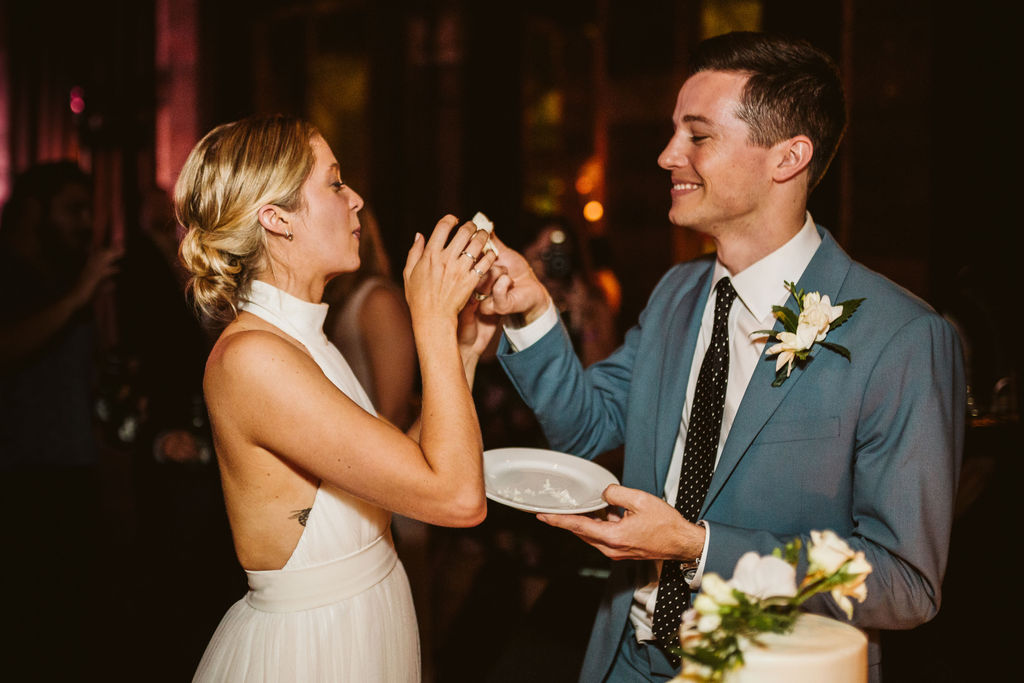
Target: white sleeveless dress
340, 609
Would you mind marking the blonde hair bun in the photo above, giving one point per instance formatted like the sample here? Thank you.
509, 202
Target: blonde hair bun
233, 171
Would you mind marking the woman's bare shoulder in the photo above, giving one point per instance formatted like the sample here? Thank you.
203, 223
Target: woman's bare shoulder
252, 353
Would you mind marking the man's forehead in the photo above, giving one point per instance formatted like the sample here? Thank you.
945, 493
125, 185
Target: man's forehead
709, 96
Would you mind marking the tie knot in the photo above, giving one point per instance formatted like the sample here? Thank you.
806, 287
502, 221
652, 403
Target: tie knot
725, 294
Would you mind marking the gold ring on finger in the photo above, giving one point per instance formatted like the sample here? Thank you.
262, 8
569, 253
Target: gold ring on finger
466, 253
478, 273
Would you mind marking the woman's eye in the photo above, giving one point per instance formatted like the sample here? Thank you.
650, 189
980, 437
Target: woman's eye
337, 184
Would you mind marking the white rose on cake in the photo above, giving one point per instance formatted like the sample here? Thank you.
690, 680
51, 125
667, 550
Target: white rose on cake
827, 552
764, 577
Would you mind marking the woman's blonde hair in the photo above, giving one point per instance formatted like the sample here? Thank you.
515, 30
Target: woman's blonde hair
233, 171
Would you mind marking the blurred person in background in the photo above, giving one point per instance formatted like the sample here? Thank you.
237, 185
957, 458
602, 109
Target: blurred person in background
155, 419
49, 457
368, 320
558, 256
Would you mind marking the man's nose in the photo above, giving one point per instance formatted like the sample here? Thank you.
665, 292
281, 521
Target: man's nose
673, 155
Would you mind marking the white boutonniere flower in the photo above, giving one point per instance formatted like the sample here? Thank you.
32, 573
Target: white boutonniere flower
805, 327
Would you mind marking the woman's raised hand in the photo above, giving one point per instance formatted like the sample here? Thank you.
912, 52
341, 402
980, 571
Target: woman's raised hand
440, 279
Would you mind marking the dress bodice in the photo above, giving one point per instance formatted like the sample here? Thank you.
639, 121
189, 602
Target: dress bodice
339, 523
340, 609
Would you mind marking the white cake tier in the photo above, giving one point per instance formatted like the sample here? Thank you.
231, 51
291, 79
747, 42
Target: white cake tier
818, 649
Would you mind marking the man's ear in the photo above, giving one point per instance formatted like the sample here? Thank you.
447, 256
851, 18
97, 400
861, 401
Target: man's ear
273, 220
794, 156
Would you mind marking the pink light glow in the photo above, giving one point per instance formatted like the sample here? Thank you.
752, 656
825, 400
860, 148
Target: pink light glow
77, 100
5, 107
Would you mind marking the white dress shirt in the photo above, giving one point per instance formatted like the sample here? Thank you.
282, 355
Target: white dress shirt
758, 288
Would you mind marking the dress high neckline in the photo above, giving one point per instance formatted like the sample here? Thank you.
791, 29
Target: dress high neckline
307, 316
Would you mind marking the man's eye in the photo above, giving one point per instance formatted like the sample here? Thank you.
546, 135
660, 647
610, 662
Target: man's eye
698, 138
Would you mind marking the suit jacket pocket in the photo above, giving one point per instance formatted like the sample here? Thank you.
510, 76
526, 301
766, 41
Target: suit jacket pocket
799, 430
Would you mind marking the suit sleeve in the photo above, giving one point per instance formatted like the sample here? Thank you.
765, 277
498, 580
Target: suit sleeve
581, 411
905, 468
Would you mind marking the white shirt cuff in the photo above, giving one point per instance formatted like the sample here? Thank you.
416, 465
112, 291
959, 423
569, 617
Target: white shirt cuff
698, 574
521, 338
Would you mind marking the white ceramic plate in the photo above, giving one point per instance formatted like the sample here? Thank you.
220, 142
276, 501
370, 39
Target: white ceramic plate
538, 480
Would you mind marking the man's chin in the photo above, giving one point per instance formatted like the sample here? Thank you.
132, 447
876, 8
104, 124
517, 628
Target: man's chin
685, 220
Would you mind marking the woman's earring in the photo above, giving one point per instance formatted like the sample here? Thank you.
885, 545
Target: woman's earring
288, 236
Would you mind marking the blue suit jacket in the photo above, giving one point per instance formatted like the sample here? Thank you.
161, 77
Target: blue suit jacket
868, 448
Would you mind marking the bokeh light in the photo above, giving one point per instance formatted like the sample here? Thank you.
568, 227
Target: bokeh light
593, 211
77, 102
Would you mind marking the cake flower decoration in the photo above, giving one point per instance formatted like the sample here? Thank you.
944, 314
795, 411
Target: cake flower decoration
814, 319
763, 597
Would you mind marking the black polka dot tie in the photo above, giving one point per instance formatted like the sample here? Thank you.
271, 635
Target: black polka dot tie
702, 436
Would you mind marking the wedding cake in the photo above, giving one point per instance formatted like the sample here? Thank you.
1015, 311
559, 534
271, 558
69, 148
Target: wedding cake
734, 630
818, 649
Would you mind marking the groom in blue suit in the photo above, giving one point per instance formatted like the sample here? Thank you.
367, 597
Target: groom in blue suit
868, 447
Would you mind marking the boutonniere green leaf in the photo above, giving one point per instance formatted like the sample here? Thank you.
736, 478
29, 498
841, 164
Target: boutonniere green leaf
814, 318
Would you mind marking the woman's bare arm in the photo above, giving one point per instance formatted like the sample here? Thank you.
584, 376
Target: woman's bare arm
267, 390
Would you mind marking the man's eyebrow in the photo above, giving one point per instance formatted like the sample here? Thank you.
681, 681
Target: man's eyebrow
690, 118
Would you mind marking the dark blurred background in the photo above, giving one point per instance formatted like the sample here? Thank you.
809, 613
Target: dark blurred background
521, 110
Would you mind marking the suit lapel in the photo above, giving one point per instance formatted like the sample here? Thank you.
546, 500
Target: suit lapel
825, 273
680, 341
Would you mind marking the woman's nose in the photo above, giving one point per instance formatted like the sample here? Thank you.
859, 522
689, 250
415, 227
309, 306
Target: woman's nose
355, 201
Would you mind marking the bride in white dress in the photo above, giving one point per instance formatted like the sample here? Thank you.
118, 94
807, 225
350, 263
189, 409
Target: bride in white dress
310, 473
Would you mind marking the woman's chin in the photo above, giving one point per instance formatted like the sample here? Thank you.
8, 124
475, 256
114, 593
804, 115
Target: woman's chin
344, 268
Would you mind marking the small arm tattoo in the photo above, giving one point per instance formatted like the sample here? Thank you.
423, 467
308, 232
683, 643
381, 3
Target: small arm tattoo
301, 515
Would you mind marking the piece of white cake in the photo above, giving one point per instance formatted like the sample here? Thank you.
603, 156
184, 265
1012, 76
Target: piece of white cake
484, 223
